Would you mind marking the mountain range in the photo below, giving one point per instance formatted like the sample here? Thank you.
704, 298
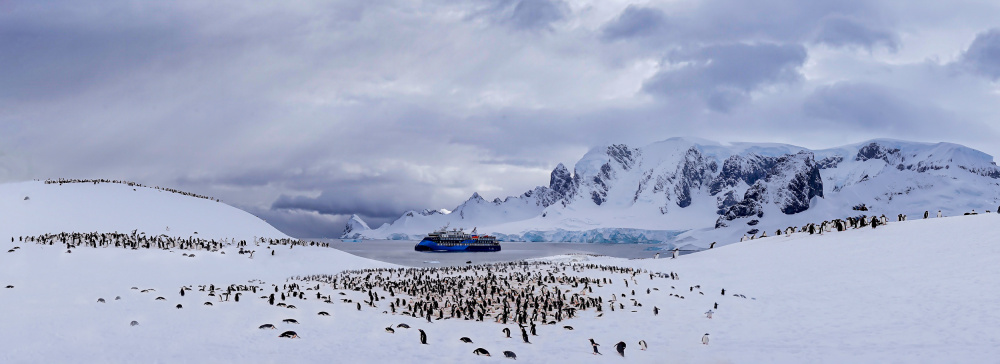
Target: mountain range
690, 193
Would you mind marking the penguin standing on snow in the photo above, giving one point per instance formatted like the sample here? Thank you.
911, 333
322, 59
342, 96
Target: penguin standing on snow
595, 345
620, 348
642, 345
506, 331
524, 335
423, 336
704, 339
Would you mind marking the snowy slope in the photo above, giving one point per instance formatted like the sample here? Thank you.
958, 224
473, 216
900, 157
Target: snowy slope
688, 191
111, 207
911, 292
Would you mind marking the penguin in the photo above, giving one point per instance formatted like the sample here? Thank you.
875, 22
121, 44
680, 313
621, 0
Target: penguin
290, 321
509, 354
534, 332
567, 327
423, 336
620, 348
266, 326
323, 313
524, 335
704, 339
506, 331
594, 344
390, 330
656, 311
481, 351
403, 326
642, 345
179, 306
99, 300
466, 340
134, 323
289, 334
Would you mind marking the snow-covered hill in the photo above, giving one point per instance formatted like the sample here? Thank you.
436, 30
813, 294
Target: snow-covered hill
920, 291
34, 207
686, 191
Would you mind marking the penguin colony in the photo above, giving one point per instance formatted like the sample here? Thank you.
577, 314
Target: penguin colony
530, 295
60, 182
137, 241
526, 294
850, 222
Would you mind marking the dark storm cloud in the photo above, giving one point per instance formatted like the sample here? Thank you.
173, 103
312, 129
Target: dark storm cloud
983, 55
635, 21
724, 75
839, 31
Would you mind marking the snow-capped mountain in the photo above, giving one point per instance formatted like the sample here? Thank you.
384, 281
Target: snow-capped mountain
688, 191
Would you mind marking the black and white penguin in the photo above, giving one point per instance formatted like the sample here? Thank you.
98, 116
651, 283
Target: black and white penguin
390, 330
524, 335
290, 321
481, 351
704, 339
289, 334
267, 326
423, 336
620, 348
642, 345
134, 323
506, 331
594, 344
403, 326
466, 340
509, 354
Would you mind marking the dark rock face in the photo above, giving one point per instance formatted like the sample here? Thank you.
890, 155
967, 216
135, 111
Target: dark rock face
561, 181
877, 151
693, 173
790, 183
625, 156
725, 202
830, 162
748, 169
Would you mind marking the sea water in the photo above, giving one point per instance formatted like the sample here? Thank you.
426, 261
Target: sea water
401, 252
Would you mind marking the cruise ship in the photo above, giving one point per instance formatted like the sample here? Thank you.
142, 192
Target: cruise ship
456, 240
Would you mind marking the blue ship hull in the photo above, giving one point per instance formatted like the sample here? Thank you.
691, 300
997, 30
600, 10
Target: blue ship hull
465, 246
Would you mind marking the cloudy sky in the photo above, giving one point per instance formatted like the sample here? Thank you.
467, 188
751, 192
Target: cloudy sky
304, 112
